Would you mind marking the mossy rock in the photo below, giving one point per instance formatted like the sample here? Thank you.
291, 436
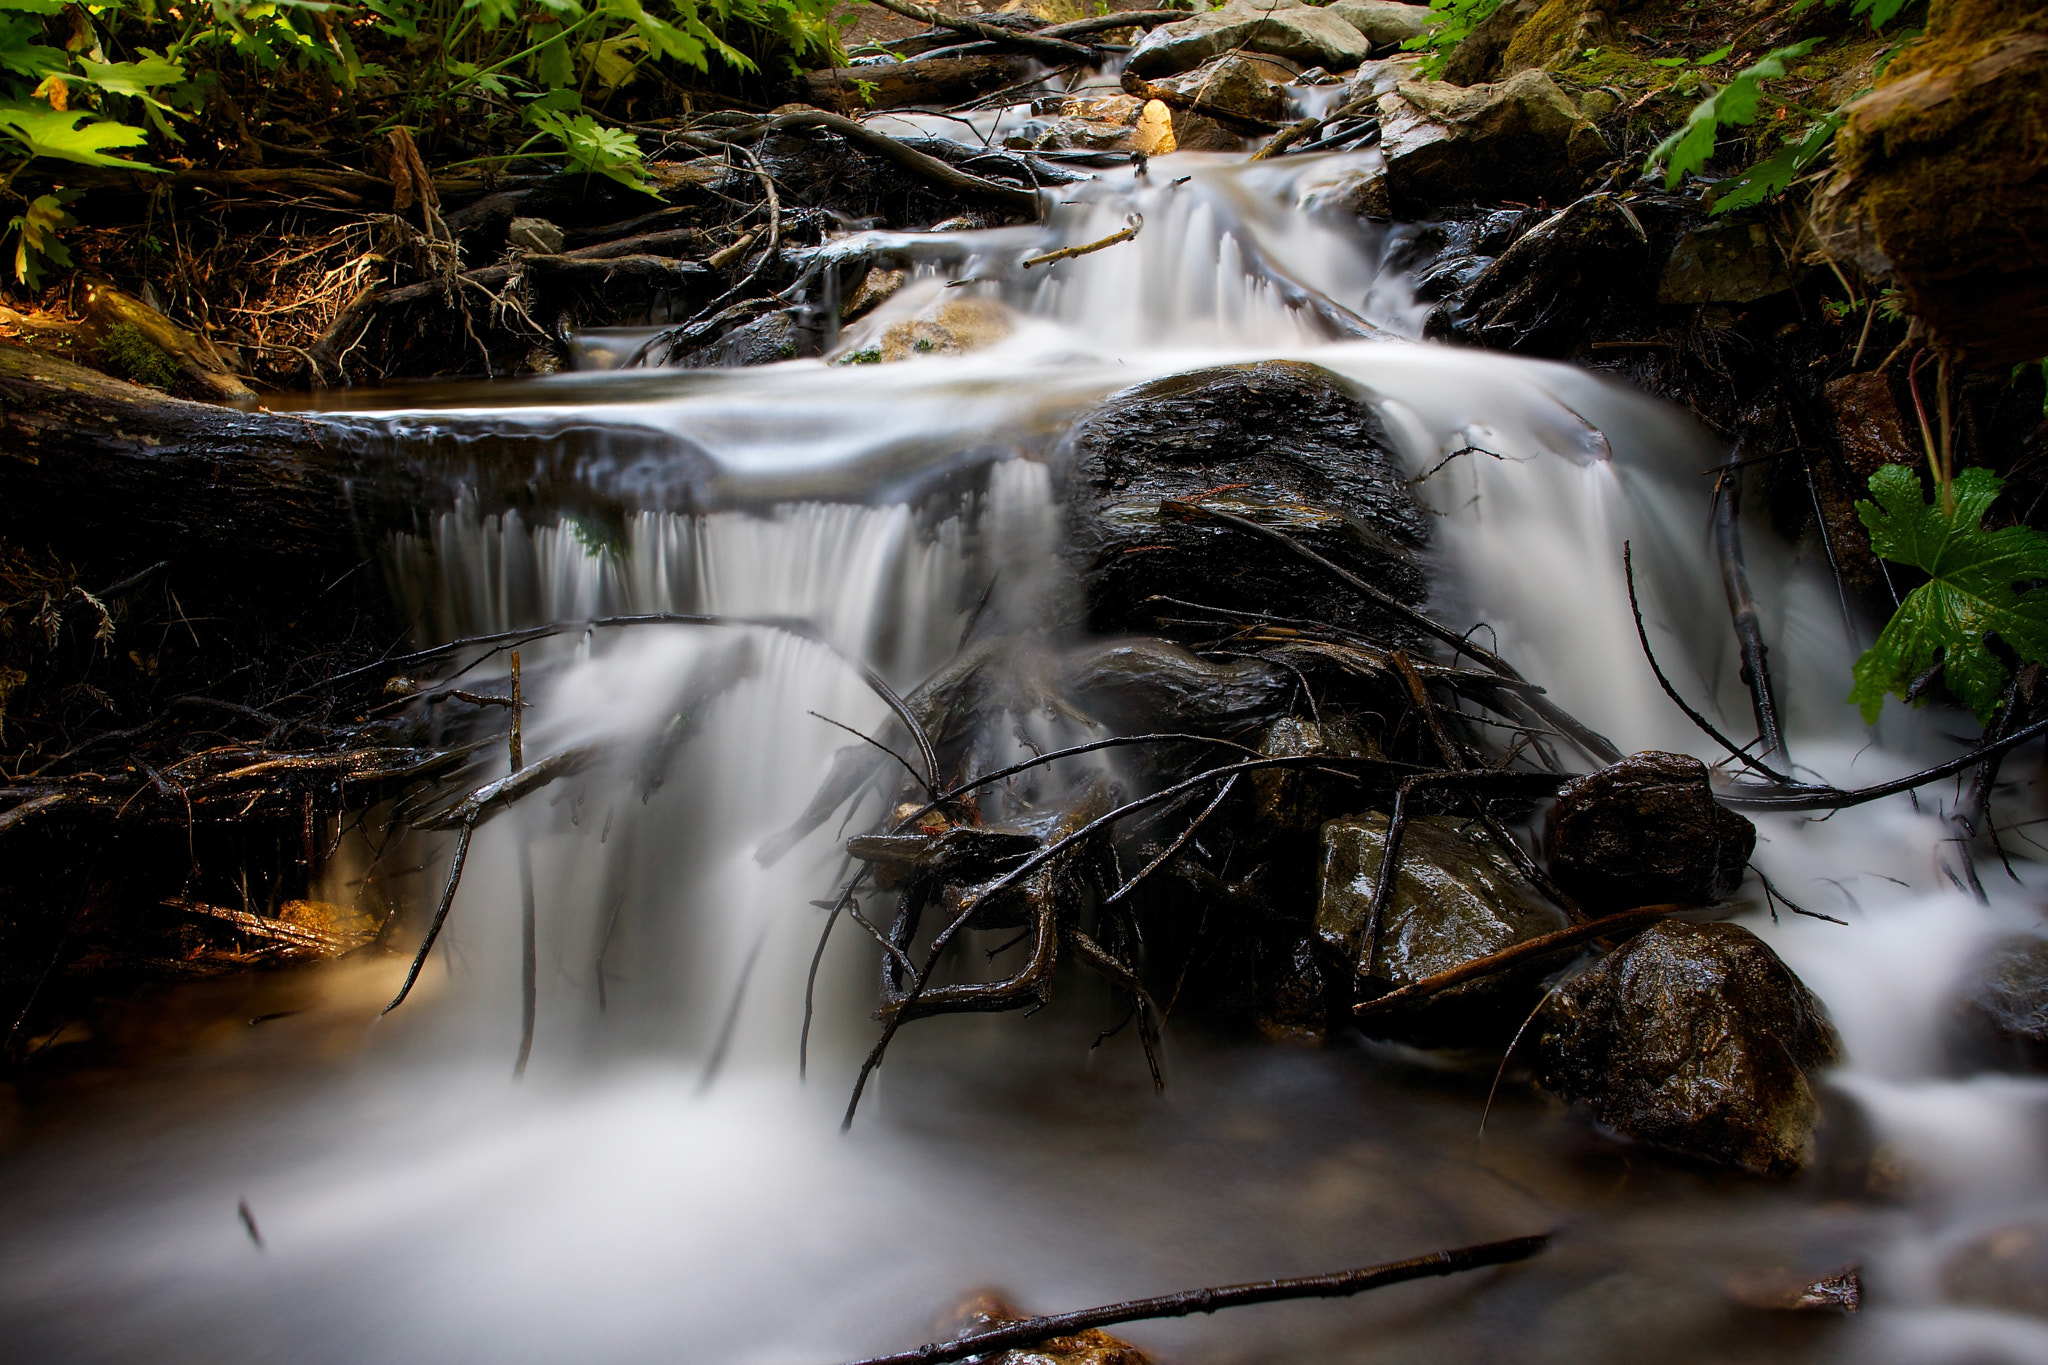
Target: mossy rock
127, 354
1943, 179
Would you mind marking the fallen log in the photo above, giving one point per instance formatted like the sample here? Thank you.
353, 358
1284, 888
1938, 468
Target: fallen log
938, 80
1017, 40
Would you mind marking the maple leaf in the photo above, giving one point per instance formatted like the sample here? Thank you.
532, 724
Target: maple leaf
44, 131
1973, 590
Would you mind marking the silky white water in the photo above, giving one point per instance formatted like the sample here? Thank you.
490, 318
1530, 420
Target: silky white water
623, 1203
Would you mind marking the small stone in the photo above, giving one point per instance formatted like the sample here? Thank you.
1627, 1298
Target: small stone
537, 235
1646, 831
1695, 1038
986, 1311
1786, 1291
1869, 424
2003, 1011
1457, 897
1154, 134
1726, 262
876, 287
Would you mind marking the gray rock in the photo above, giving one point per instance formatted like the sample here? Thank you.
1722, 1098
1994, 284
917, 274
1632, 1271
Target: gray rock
1695, 1038
2005, 1268
1646, 831
1520, 139
1291, 445
1232, 84
534, 234
1282, 28
1386, 23
2003, 1009
1726, 262
1457, 896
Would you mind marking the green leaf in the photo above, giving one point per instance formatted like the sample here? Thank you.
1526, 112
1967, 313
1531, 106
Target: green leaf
1775, 174
1971, 592
595, 149
33, 6
44, 131
23, 55
491, 13
137, 80
1733, 105
36, 245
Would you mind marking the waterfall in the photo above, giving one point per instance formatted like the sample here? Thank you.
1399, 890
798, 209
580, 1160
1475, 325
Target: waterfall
420, 1207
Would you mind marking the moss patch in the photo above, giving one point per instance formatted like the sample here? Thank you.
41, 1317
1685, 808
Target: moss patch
128, 354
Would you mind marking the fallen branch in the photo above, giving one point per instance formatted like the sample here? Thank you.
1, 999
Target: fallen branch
1749, 639
1598, 745
1068, 253
1527, 950
1341, 1284
908, 157
1047, 49
1309, 127
1835, 798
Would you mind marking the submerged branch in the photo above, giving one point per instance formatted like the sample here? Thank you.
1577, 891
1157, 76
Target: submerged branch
1341, 1284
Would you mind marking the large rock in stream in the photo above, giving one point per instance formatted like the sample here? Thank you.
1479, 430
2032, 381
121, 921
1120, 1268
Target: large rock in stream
1456, 897
2001, 1015
1279, 28
1695, 1038
1282, 443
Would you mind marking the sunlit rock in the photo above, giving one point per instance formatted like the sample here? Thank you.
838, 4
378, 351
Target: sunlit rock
1283, 28
1521, 139
1385, 23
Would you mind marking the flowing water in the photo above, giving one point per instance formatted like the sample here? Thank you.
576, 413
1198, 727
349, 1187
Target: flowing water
660, 1185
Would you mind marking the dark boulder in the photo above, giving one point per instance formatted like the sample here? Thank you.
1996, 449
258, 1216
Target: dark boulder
2002, 1014
1646, 831
1457, 896
1520, 139
1695, 1038
1282, 443
2004, 1268
1538, 295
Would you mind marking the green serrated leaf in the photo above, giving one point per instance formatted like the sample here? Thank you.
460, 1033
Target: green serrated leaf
1733, 105
43, 131
1971, 592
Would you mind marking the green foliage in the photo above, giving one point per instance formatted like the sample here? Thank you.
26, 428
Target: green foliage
1454, 21
595, 149
1973, 591
131, 355
1734, 105
868, 355
35, 229
1880, 12
1774, 174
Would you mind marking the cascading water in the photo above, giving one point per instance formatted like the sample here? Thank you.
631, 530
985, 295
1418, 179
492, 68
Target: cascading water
616, 1205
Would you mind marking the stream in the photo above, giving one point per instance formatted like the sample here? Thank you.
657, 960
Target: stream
661, 1186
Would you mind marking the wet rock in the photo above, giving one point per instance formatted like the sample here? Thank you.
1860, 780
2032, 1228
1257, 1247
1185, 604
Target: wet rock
1724, 262
1093, 1347
1646, 831
1134, 685
1539, 294
876, 287
1282, 28
1519, 139
2005, 1268
1697, 1039
1233, 84
1196, 132
1385, 23
1098, 124
1482, 56
946, 327
1282, 443
765, 340
1457, 896
2002, 1013
1941, 179
1292, 801
1293, 1003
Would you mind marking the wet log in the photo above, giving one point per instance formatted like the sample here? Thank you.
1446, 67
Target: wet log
117, 476
939, 81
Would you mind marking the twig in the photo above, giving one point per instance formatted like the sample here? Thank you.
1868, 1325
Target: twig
1176, 846
1341, 1284
1628, 569
1756, 673
1049, 49
1599, 746
1135, 221
1835, 798
1528, 949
